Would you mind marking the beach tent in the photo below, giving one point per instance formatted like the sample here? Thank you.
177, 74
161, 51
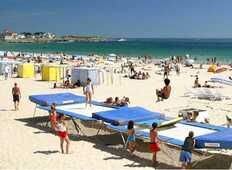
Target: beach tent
189, 62
51, 72
215, 69
82, 73
2, 53
26, 70
5, 63
112, 55
212, 68
53, 57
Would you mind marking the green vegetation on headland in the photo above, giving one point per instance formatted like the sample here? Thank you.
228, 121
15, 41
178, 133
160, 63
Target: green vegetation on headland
44, 37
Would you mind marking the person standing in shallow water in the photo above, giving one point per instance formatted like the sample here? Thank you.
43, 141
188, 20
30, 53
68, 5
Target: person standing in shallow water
88, 92
16, 96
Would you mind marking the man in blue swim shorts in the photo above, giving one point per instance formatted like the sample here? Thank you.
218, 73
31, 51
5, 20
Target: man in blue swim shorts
186, 153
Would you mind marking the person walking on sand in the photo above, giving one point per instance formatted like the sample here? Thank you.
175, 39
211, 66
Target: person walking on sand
186, 152
16, 96
6, 72
166, 70
154, 144
88, 92
62, 132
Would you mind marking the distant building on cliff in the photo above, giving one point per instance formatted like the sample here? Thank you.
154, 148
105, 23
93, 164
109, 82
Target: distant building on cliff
8, 35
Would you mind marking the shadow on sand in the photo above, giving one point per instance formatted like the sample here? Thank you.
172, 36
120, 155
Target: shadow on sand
46, 152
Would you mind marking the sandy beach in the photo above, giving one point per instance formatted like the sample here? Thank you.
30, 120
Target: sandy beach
27, 144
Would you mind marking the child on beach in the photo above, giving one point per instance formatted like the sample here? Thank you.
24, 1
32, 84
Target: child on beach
196, 83
16, 93
53, 116
62, 132
131, 137
186, 153
88, 91
154, 145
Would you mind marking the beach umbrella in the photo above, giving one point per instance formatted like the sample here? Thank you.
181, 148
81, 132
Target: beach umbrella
189, 62
112, 55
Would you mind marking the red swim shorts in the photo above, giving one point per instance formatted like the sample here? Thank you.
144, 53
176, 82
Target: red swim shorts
154, 147
62, 134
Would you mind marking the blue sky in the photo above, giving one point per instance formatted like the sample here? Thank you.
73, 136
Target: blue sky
120, 18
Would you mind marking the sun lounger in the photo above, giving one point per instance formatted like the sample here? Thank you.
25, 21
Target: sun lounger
221, 80
204, 93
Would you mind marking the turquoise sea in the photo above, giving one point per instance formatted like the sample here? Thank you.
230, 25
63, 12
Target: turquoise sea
157, 48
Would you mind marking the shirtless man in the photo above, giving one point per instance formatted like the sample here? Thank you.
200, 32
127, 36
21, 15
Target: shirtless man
16, 96
165, 92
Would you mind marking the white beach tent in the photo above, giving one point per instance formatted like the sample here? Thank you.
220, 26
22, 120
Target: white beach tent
10, 54
2, 53
112, 57
53, 57
82, 73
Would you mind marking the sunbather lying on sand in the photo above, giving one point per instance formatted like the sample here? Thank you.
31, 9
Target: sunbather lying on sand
125, 101
117, 102
206, 85
140, 75
109, 101
195, 117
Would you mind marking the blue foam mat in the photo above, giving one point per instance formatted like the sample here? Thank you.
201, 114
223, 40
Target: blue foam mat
123, 115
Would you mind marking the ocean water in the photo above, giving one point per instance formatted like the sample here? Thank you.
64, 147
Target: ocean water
157, 48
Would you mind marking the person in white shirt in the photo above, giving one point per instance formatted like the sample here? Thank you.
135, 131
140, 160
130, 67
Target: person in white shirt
6, 72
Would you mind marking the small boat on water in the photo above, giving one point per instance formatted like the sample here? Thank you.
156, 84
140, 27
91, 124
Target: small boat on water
122, 40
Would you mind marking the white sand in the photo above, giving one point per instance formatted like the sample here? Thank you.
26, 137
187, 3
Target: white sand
25, 147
